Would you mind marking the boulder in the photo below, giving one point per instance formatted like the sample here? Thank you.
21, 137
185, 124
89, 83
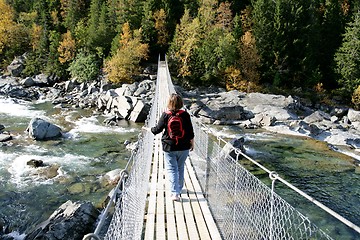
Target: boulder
123, 105
35, 163
16, 66
28, 82
71, 221
277, 112
233, 145
263, 119
353, 116
70, 85
40, 129
113, 176
317, 116
140, 111
41, 80
5, 137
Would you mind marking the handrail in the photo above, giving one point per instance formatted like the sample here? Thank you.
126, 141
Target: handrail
274, 176
123, 175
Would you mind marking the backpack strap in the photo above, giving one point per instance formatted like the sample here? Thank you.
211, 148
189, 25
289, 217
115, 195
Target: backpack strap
175, 113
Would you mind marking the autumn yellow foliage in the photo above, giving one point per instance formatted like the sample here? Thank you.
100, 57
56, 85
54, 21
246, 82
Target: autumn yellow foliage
11, 33
160, 26
125, 62
67, 48
356, 98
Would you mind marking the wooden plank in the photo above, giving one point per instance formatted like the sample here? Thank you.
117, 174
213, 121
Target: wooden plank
196, 209
189, 214
160, 207
211, 225
180, 221
171, 229
150, 217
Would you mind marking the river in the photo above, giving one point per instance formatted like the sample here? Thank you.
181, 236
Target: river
89, 149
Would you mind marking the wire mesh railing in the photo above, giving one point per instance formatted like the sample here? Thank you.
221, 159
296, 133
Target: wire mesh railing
242, 206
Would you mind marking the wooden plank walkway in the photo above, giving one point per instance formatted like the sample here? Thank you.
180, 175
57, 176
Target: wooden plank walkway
187, 219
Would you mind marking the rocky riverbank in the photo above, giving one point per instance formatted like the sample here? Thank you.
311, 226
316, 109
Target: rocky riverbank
282, 114
337, 125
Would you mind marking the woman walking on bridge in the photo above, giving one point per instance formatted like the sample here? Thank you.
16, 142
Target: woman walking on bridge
177, 140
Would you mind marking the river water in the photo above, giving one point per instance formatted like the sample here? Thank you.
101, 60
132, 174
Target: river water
89, 149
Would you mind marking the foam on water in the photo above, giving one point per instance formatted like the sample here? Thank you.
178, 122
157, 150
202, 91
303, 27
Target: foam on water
24, 175
18, 108
92, 125
16, 235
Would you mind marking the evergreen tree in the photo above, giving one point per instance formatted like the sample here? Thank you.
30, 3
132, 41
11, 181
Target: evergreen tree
72, 11
192, 6
20, 5
348, 57
53, 66
284, 31
148, 26
40, 34
99, 32
130, 11
330, 31
264, 32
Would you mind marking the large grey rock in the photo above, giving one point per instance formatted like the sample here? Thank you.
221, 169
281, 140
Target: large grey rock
140, 112
263, 119
42, 80
70, 85
123, 105
234, 146
40, 129
354, 116
28, 82
279, 113
5, 137
71, 221
317, 116
16, 66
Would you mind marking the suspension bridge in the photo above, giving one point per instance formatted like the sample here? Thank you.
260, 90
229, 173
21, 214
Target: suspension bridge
220, 200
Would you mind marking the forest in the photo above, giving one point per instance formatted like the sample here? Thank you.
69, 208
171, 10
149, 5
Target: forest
307, 46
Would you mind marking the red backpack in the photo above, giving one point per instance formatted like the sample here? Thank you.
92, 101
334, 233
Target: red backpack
175, 126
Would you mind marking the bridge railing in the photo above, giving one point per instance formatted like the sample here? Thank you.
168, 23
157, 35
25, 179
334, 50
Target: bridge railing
242, 205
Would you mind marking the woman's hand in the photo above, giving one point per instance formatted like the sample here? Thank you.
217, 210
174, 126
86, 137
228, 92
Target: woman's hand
146, 128
191, 144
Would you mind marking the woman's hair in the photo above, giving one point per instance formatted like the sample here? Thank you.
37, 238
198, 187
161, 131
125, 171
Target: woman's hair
175, 102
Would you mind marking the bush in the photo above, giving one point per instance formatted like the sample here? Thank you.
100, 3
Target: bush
356, 98
85, 67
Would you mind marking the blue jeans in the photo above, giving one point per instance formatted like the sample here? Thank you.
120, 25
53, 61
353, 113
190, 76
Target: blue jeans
175, 162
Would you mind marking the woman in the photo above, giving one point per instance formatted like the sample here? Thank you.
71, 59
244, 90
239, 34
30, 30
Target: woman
176, 150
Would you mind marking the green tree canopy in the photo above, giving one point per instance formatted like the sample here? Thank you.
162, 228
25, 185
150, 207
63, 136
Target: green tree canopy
348, 57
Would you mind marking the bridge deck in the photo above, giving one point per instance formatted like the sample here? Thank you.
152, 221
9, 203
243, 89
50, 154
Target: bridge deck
189, 218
